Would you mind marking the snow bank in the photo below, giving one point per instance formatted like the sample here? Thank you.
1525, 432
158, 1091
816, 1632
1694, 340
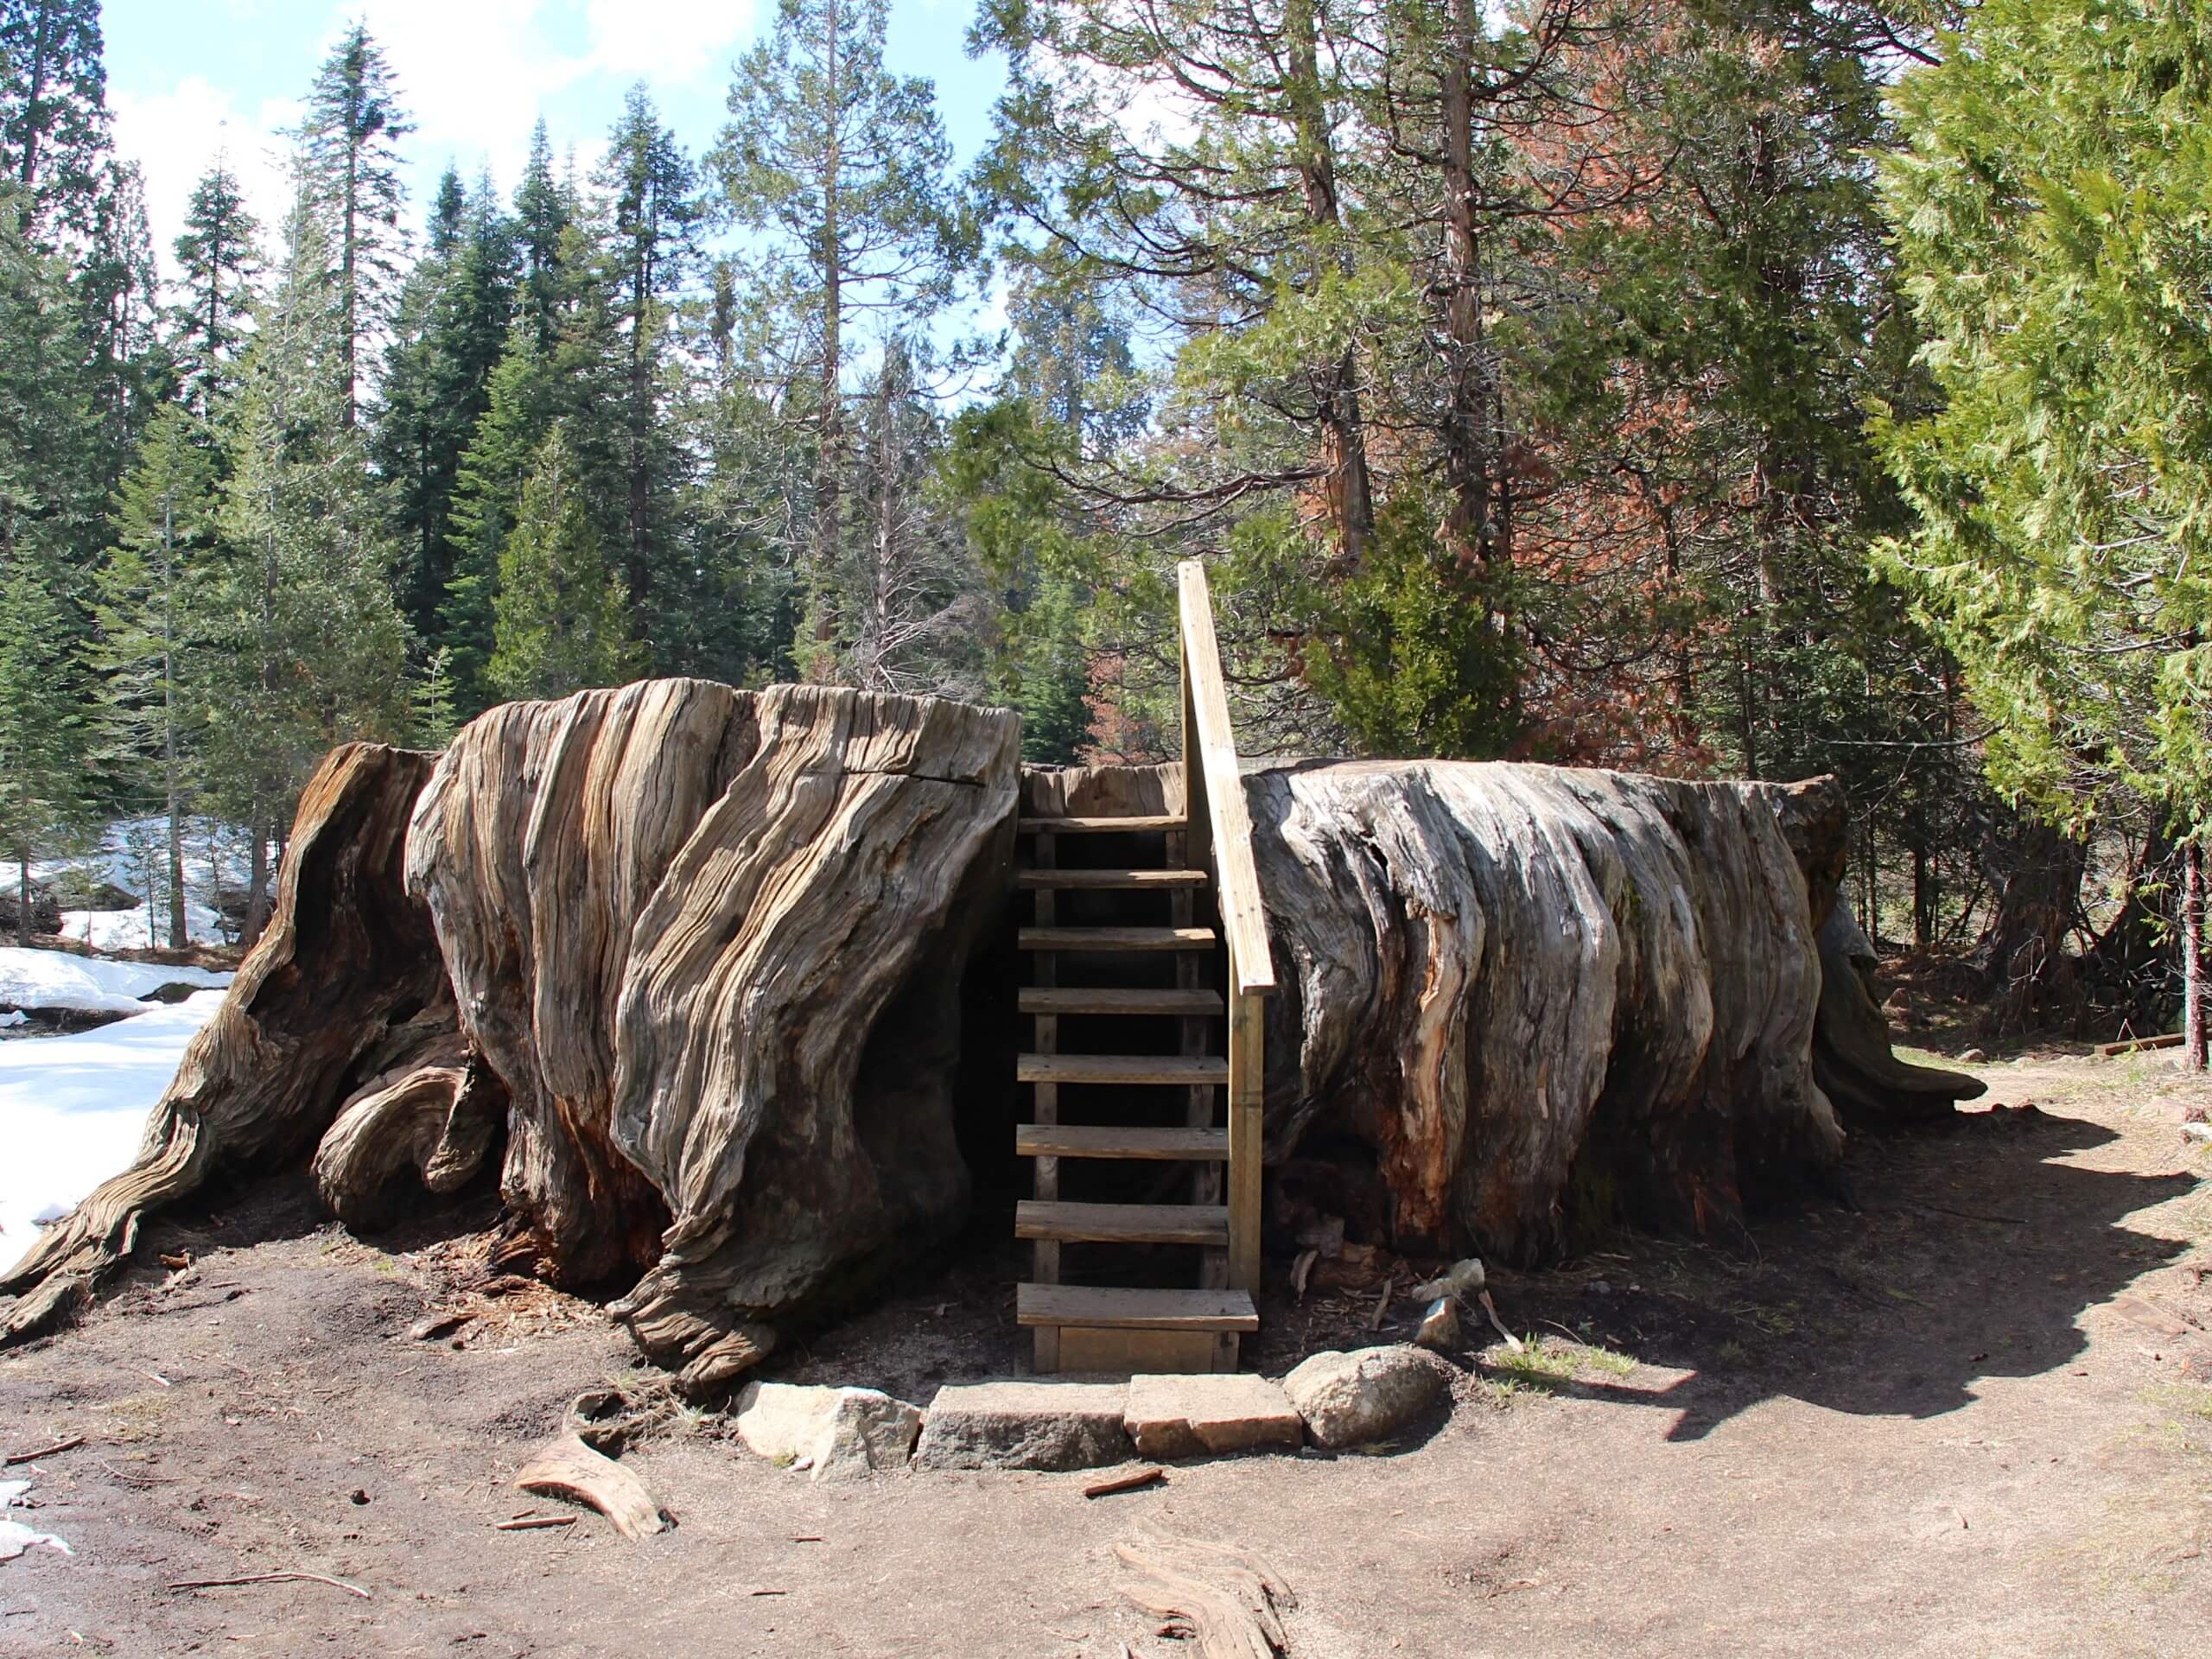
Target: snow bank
126, 930
54, 979
15, 1536
73, 1109
133, 855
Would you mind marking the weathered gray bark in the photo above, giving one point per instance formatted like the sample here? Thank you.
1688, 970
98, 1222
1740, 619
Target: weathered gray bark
1851, 1060
344, 984
1528, 990
712, 942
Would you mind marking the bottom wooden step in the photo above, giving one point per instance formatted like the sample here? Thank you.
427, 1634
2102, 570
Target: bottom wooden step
1129, 1331
1136, 1310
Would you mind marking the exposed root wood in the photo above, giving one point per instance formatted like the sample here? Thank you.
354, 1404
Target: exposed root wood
566, 1467
1852, 1060
1231, 1601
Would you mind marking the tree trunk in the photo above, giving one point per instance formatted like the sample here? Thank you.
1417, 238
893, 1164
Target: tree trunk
712, 943
257, 880
2038, 882
1350, 488
2192, 953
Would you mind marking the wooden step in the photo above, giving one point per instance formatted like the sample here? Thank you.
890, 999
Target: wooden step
1115, 880
1102, 826
1136, 1310
1076, 998
1119, 1140
1185, 1068
1116, 939
1123, 1224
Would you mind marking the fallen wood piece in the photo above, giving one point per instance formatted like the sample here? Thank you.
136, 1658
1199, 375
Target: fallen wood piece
2132, 1044
566, 1467
1234, 1608
1128, 1483
270, 1578
532, 1522
431, 1326
1497, 1324
69, 1445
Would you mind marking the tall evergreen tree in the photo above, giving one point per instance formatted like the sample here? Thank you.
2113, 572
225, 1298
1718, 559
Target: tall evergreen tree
44, 788
151, 622
655, 214
561, 615
313, 649
53, 116
544, 208
453, 324
349, 144
842, 170
218, 256
487, 496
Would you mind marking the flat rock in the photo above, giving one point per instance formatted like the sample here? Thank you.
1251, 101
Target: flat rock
1368, 1395
1025, 1425
838, 1433
1202, 1416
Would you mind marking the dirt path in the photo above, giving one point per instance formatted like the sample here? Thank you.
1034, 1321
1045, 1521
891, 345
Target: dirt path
1920, 1428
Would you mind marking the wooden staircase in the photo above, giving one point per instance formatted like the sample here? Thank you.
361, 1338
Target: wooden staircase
1165, 1068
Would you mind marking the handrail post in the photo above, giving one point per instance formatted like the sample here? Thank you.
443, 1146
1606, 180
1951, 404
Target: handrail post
1213, 797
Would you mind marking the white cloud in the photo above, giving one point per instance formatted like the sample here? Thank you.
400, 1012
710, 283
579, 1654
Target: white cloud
474, 73
664, 41
176, 136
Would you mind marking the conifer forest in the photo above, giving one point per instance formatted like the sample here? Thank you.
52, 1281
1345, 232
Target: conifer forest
1749, 389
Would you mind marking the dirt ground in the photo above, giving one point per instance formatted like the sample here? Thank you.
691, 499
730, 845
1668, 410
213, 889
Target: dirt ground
1957, 1420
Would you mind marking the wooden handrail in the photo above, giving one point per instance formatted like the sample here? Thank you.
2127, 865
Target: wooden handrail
1211, 780
1213, 797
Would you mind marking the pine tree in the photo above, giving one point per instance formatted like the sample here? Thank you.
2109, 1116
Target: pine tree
218, 254
488, 496
655, 215
52, 447
842, 170
349, 145
453, 327
312, 649
544, 208
43, 784
562, 622
53, 116
151, 624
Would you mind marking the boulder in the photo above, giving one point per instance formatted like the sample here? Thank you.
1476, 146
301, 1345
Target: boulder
1202, 1415
1039, 1425
837, 1434
1352, 1399
1439, 1326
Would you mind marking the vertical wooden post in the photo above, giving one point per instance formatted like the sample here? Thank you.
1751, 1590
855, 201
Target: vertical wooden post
2192, 956
1247, 1068
1045, 1258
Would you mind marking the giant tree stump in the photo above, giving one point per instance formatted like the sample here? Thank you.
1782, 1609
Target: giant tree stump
713, 943
698, 954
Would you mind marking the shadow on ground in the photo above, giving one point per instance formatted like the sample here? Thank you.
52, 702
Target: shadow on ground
1978, 1247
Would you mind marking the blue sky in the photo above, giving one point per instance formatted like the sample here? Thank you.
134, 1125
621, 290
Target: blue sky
189, 79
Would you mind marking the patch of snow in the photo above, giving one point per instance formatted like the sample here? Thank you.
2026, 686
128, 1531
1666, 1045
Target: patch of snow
126, 930
133, 856
55, 979
73, 1108
15, 1536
